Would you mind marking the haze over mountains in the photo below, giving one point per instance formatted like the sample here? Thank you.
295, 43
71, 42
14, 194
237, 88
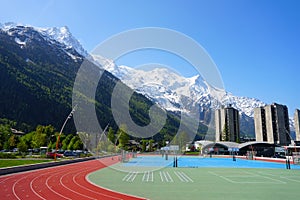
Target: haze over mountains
55, 50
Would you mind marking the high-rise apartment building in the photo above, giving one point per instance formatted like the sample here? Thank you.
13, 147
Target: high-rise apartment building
272, 124
297, 124
227, 124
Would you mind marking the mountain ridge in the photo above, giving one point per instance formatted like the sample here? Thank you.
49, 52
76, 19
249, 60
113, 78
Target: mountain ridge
171, 90
38, 74
194, 91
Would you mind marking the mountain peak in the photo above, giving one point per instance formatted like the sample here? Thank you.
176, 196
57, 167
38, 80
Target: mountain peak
59, 34
170, 89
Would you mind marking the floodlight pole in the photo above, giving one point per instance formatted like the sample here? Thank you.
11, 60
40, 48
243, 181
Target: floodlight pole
103, 132
62, 128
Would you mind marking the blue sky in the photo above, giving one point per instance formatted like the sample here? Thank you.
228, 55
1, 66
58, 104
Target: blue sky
254, 43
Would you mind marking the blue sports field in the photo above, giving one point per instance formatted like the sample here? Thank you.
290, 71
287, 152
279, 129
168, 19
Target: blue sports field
198, 162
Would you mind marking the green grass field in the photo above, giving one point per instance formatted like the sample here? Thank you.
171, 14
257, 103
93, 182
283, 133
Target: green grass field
203, 183
17, 162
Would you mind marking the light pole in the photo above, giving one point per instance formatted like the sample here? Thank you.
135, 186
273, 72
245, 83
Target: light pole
62, 128
103, 133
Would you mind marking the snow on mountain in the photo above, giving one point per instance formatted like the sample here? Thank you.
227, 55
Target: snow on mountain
172, 90
64, 36
59, 34
162, 85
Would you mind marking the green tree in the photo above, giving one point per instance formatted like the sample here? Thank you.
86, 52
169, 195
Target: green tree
5, 133
48, 130
144, 145
22, 146
151, 142
42, 135
38, 139
65, 142
123, 136
72, 141
12, 141
27, 139
111, 135
111, 148
78, 145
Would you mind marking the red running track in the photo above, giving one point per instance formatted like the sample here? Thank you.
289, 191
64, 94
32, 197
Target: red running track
62, 182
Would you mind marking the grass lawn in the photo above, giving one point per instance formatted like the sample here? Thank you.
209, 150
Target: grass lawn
202, 183
17, 162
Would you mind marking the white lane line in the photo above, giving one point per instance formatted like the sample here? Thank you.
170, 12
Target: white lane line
5, 179
152, 177
180, 178
50, 188
213, 173
130, 177
63, 185
169, 177
290, 179
134, 176
31, 186
74, 180
125, 178
281, 176
274, 181
183, 177
165, 176
186, 177
148, 176
161, 177
191, 180
144, 177
14, 186
266, 177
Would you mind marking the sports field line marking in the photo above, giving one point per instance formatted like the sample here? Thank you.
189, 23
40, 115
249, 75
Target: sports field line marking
144, 176
125, 177
165, 177
183, 177
170, 177
66, 187
290, 179
274, 181
266, 177
242, 176
130, 177
226, 179
179, 176
50, 188
148, 176
187, 177
32, 188
161, 177
268, 174
281, 176
152, 177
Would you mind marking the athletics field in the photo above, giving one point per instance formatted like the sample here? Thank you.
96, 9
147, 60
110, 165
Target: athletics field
165, 182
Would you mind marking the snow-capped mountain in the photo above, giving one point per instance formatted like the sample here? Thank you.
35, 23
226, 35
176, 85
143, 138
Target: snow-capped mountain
170, 89
162, 85
61, 35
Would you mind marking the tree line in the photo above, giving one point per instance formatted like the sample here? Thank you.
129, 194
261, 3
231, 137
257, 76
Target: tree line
46, 136
42, 136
